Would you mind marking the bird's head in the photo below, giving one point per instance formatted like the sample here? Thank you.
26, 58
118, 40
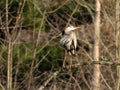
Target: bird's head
70, 28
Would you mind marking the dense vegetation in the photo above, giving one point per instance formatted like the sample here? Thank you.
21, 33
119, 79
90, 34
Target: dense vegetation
36, 60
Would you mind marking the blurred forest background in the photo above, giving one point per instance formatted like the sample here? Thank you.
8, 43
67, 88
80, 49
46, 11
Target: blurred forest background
31, 56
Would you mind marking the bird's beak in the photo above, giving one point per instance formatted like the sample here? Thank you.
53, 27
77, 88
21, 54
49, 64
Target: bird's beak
77, 27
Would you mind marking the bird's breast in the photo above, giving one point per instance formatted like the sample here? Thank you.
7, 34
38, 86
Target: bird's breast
72, 36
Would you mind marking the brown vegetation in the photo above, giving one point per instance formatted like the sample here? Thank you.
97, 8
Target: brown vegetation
36, 54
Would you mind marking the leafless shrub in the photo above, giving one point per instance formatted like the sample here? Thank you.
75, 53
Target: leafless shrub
27, 72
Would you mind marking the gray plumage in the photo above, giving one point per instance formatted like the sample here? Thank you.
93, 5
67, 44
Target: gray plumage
69, 40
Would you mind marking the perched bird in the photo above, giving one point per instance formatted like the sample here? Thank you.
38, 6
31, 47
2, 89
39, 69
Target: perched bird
69, 39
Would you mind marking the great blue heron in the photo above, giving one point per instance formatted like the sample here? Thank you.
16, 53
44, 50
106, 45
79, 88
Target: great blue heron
69, 39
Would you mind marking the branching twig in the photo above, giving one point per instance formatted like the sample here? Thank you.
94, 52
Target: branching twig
49, 79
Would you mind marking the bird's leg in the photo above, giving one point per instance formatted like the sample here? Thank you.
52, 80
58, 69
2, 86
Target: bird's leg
64, 61
70, 66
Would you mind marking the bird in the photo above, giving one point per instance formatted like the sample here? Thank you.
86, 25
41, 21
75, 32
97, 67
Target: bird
69, 39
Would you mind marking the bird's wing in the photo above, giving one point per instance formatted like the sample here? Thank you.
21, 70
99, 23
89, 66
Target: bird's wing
65, 39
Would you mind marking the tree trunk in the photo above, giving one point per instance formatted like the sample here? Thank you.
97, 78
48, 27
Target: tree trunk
118, 42
96, 67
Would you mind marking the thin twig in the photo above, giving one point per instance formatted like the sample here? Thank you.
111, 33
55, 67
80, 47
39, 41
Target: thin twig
49, 79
